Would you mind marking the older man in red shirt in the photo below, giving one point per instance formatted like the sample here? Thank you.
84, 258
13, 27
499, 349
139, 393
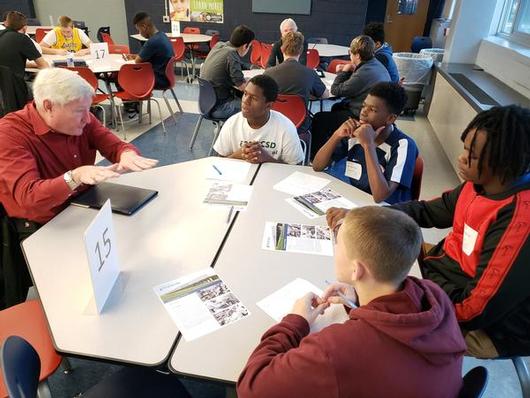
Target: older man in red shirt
48, 151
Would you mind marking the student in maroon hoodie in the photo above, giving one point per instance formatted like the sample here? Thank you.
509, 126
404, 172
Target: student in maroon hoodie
402, 341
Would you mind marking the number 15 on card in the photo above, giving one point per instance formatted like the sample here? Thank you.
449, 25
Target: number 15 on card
100, 244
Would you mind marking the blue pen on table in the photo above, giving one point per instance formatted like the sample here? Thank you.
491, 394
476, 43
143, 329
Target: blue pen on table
348, 302
217, 169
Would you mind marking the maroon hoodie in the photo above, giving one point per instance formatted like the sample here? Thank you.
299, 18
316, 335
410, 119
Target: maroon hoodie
405, 344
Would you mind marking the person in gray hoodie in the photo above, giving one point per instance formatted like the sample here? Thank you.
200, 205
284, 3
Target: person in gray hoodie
353, 82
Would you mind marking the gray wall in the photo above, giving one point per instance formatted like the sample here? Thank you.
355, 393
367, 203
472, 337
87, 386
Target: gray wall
95, 13
338, 20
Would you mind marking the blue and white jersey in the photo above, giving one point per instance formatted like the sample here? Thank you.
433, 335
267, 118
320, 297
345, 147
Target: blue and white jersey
396, 156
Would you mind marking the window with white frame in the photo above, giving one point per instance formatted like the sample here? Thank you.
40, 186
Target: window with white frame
515, 21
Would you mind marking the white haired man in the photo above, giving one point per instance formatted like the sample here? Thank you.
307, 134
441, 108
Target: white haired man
49, 148
276, 57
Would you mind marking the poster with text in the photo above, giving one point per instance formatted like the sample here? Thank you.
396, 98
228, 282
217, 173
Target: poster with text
210, 11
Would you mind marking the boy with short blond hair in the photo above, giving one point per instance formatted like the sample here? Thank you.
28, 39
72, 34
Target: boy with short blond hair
403, 338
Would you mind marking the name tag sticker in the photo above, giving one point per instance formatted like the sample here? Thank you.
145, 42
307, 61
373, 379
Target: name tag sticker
469, 239
353, 170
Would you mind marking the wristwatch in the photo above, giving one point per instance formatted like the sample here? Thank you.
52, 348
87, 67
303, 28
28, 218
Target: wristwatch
69, 179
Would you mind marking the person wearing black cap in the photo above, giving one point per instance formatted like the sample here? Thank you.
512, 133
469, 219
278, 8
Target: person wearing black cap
223, 68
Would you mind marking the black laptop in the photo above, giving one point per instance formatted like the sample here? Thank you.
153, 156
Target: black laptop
124, 199
62, 63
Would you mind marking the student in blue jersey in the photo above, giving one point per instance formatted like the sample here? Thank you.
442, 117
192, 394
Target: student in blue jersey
380, 158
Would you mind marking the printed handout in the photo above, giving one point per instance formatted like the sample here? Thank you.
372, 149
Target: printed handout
200, 303
316, 204
229, 194
298, 238
301, 183
228, 170
281, 302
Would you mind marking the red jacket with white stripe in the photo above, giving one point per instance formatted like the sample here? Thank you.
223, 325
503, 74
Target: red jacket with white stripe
484, 262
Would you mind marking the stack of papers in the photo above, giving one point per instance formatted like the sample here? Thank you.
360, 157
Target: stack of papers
298, 238
229, 194
300, 184
200, 303
280, 303
316, 204
228, 170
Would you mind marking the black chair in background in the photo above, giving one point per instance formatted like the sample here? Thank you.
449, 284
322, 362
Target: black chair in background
81, 25
103, 29
34, 22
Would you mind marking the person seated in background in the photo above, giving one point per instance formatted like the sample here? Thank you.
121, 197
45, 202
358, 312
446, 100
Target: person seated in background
47, 155
157, 50
383, 50
380, 158
277, 57
258, 134
223, 68
482, 264
65, 38
17, 51
293, 77
353, 82
401, 330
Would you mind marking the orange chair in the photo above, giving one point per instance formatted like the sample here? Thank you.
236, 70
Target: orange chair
27, 320
415, 186
255, 54
332, 67
293, 106
107, 38
170, 75
138, 82
40, 33
119, 49
265, 53
313, 58
98, 98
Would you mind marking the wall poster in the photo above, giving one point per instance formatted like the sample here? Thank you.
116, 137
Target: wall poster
196, 10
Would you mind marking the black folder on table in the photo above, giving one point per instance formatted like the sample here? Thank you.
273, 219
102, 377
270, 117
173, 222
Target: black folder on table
124, 199
63, 63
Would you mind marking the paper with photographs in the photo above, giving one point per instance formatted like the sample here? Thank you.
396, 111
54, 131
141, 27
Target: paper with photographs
229, 194
280, 303
300, 184
228, 170
200, 303
316, 204
298, 238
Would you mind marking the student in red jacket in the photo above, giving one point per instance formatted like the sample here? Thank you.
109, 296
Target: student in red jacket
403, 339
484, 262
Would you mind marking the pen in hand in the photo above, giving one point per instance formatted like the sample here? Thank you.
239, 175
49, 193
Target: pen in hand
348, 302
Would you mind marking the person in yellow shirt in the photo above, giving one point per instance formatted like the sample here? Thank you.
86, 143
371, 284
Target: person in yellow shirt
65, 38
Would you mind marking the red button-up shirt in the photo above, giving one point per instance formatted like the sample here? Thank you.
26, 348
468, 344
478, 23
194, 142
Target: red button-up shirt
34, 158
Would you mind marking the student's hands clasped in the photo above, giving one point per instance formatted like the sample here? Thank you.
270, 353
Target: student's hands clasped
366, 135
347, 129
253, 152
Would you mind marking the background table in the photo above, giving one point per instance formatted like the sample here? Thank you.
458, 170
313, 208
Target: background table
330, 50
111, 63
253, 273
173, 235
189, 38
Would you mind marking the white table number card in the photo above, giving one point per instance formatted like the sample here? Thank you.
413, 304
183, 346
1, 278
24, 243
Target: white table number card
99, 51
100, 244
175, 28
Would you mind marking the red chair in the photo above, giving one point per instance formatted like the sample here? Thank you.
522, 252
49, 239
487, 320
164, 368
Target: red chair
119, 49
107, 38
255, 54
138, 82
27, 320
170, 75
293, 106
415, 186
98, 98
202, 54
313, 58
40, 33
332, 67
266, 50
179, 50
191, 29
